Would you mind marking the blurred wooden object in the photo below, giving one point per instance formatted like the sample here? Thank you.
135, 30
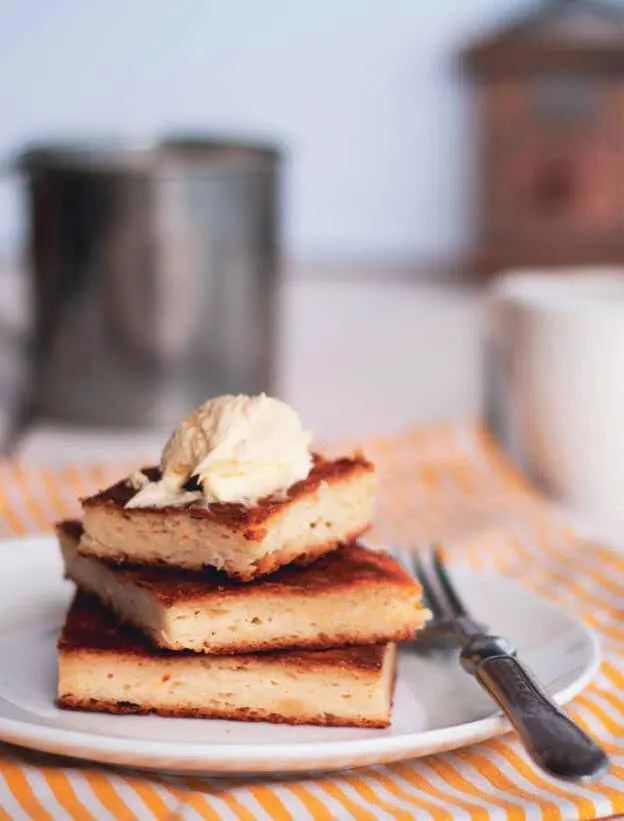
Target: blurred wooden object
550, 96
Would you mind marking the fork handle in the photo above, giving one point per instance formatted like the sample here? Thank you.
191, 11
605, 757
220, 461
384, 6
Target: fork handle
552, 740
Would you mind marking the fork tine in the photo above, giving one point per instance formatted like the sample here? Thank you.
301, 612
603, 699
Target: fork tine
433, 599
444, 579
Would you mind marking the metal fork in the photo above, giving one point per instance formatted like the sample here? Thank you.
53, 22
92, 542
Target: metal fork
553, 741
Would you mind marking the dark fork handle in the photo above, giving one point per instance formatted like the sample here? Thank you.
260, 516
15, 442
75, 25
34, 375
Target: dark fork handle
553, 741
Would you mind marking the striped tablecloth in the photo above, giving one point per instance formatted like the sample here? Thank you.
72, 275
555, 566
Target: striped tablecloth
444, 483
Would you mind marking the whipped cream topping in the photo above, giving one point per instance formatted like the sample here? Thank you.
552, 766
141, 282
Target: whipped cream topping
237, 448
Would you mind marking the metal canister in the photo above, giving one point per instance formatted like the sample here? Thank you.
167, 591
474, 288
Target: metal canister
154, 274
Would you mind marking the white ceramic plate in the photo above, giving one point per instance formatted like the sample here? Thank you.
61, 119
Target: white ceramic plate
436, 707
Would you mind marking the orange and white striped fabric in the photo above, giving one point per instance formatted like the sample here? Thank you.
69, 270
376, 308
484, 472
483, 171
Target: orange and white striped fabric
445, 483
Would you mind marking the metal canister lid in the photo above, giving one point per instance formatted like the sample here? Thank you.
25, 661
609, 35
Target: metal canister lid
120, 155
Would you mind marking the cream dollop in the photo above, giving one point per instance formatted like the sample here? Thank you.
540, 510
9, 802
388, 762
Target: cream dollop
238, 448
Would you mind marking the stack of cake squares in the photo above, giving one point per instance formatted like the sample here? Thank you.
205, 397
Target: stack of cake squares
266, 613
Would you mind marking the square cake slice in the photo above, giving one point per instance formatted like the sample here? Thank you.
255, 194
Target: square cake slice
106, 667
332, 506
349, 596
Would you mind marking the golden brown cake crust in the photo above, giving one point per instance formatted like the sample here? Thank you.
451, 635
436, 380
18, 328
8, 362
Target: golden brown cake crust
352, 571
349, 567
250, 520
273, 561
70, 702
92, 630
262, 567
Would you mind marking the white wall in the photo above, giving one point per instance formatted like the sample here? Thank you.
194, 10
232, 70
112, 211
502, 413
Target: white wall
364, 92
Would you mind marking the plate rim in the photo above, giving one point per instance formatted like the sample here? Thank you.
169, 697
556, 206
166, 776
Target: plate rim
213, 757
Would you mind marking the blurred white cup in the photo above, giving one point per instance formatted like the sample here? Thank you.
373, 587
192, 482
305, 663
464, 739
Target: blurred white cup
558, 338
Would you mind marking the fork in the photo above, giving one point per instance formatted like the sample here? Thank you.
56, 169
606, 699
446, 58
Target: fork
552, 740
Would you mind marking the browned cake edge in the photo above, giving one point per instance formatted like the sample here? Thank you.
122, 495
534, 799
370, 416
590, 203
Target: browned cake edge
125, 708
251, 520
91, 634
91, 630
262, 567
328, 642
350, 658
348, 567
273, 561
353, 568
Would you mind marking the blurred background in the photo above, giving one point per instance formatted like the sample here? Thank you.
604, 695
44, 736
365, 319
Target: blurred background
202, 197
